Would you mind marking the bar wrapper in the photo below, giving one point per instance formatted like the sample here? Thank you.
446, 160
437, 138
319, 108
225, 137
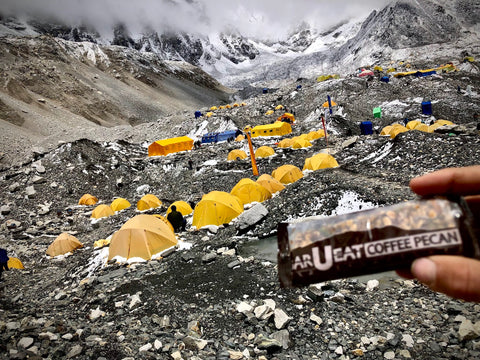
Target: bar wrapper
314, 250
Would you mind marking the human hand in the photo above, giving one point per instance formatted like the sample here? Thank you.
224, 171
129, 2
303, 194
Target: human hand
456, 276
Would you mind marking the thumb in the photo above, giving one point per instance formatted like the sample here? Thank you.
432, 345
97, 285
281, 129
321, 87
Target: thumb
455, 276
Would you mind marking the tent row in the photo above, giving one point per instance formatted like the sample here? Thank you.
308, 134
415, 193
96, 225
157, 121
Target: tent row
147, 202
395, 129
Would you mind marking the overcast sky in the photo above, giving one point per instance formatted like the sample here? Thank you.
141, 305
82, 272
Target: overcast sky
260, 18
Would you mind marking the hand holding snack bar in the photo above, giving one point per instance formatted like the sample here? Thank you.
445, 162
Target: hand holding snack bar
455, 276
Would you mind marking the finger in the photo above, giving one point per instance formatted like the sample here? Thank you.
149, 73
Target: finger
459, 181
455, 276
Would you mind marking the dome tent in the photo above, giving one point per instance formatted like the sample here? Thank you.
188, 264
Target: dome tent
216, 208
141, 237
271, 184
287, 174
264, 151
236, 155
249, 191
320, 161
63, 244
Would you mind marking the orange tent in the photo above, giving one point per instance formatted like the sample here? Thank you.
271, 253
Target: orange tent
287, 116
249, 191
141, 237
148, 201
87, 199
271, 184
236, 154
64, 243
287, 174
102, 211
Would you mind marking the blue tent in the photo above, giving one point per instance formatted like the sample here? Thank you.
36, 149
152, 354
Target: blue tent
385, 79
198, 114
366, 128
225, 135
265, 90
215, 137
425, 73
427, 108
209, 138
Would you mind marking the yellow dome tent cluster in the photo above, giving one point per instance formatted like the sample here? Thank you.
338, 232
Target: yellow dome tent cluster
395, 129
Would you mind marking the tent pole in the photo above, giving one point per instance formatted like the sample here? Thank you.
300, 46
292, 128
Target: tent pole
247, 131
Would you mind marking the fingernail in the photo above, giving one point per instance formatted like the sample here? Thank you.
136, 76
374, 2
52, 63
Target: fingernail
424, 270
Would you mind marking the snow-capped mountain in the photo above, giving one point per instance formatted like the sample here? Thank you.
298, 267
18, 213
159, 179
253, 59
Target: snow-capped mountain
403, 29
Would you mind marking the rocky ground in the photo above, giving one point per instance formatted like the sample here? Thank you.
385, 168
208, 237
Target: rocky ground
212, 299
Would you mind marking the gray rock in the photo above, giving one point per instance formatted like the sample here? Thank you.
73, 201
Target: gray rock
38, 180
467, 331
74, 351
283, 337
14, 187
234, 264
30, 191
209, 257
25, 342
251, 217
5, 210
281, 318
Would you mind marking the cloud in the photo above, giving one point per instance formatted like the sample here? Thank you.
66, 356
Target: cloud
262, 19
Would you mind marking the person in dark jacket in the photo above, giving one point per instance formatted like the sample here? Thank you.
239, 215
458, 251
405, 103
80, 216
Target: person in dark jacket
3, 261
176, 219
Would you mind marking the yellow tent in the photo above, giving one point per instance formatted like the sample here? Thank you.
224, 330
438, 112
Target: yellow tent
391, 70
168, 146
101, 243
443, 122
228, 106
287, 116
264, 151
314, 135
87, 199
221, 107
141, 237
278, 128
183, 207
102, 211
243, 104
209, 114
64, 243
216, 208
15, 263
378, 68
271, 184
320, 161
148, 201
240, 137
397, 129
164, 219
422, 127
269, 112
213, 108
413, 124
301, 143
327, 77
236, 105
249, 191
279, 107
386, 130
120, 204
285, 143
287, 174
325, 104
236, 154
